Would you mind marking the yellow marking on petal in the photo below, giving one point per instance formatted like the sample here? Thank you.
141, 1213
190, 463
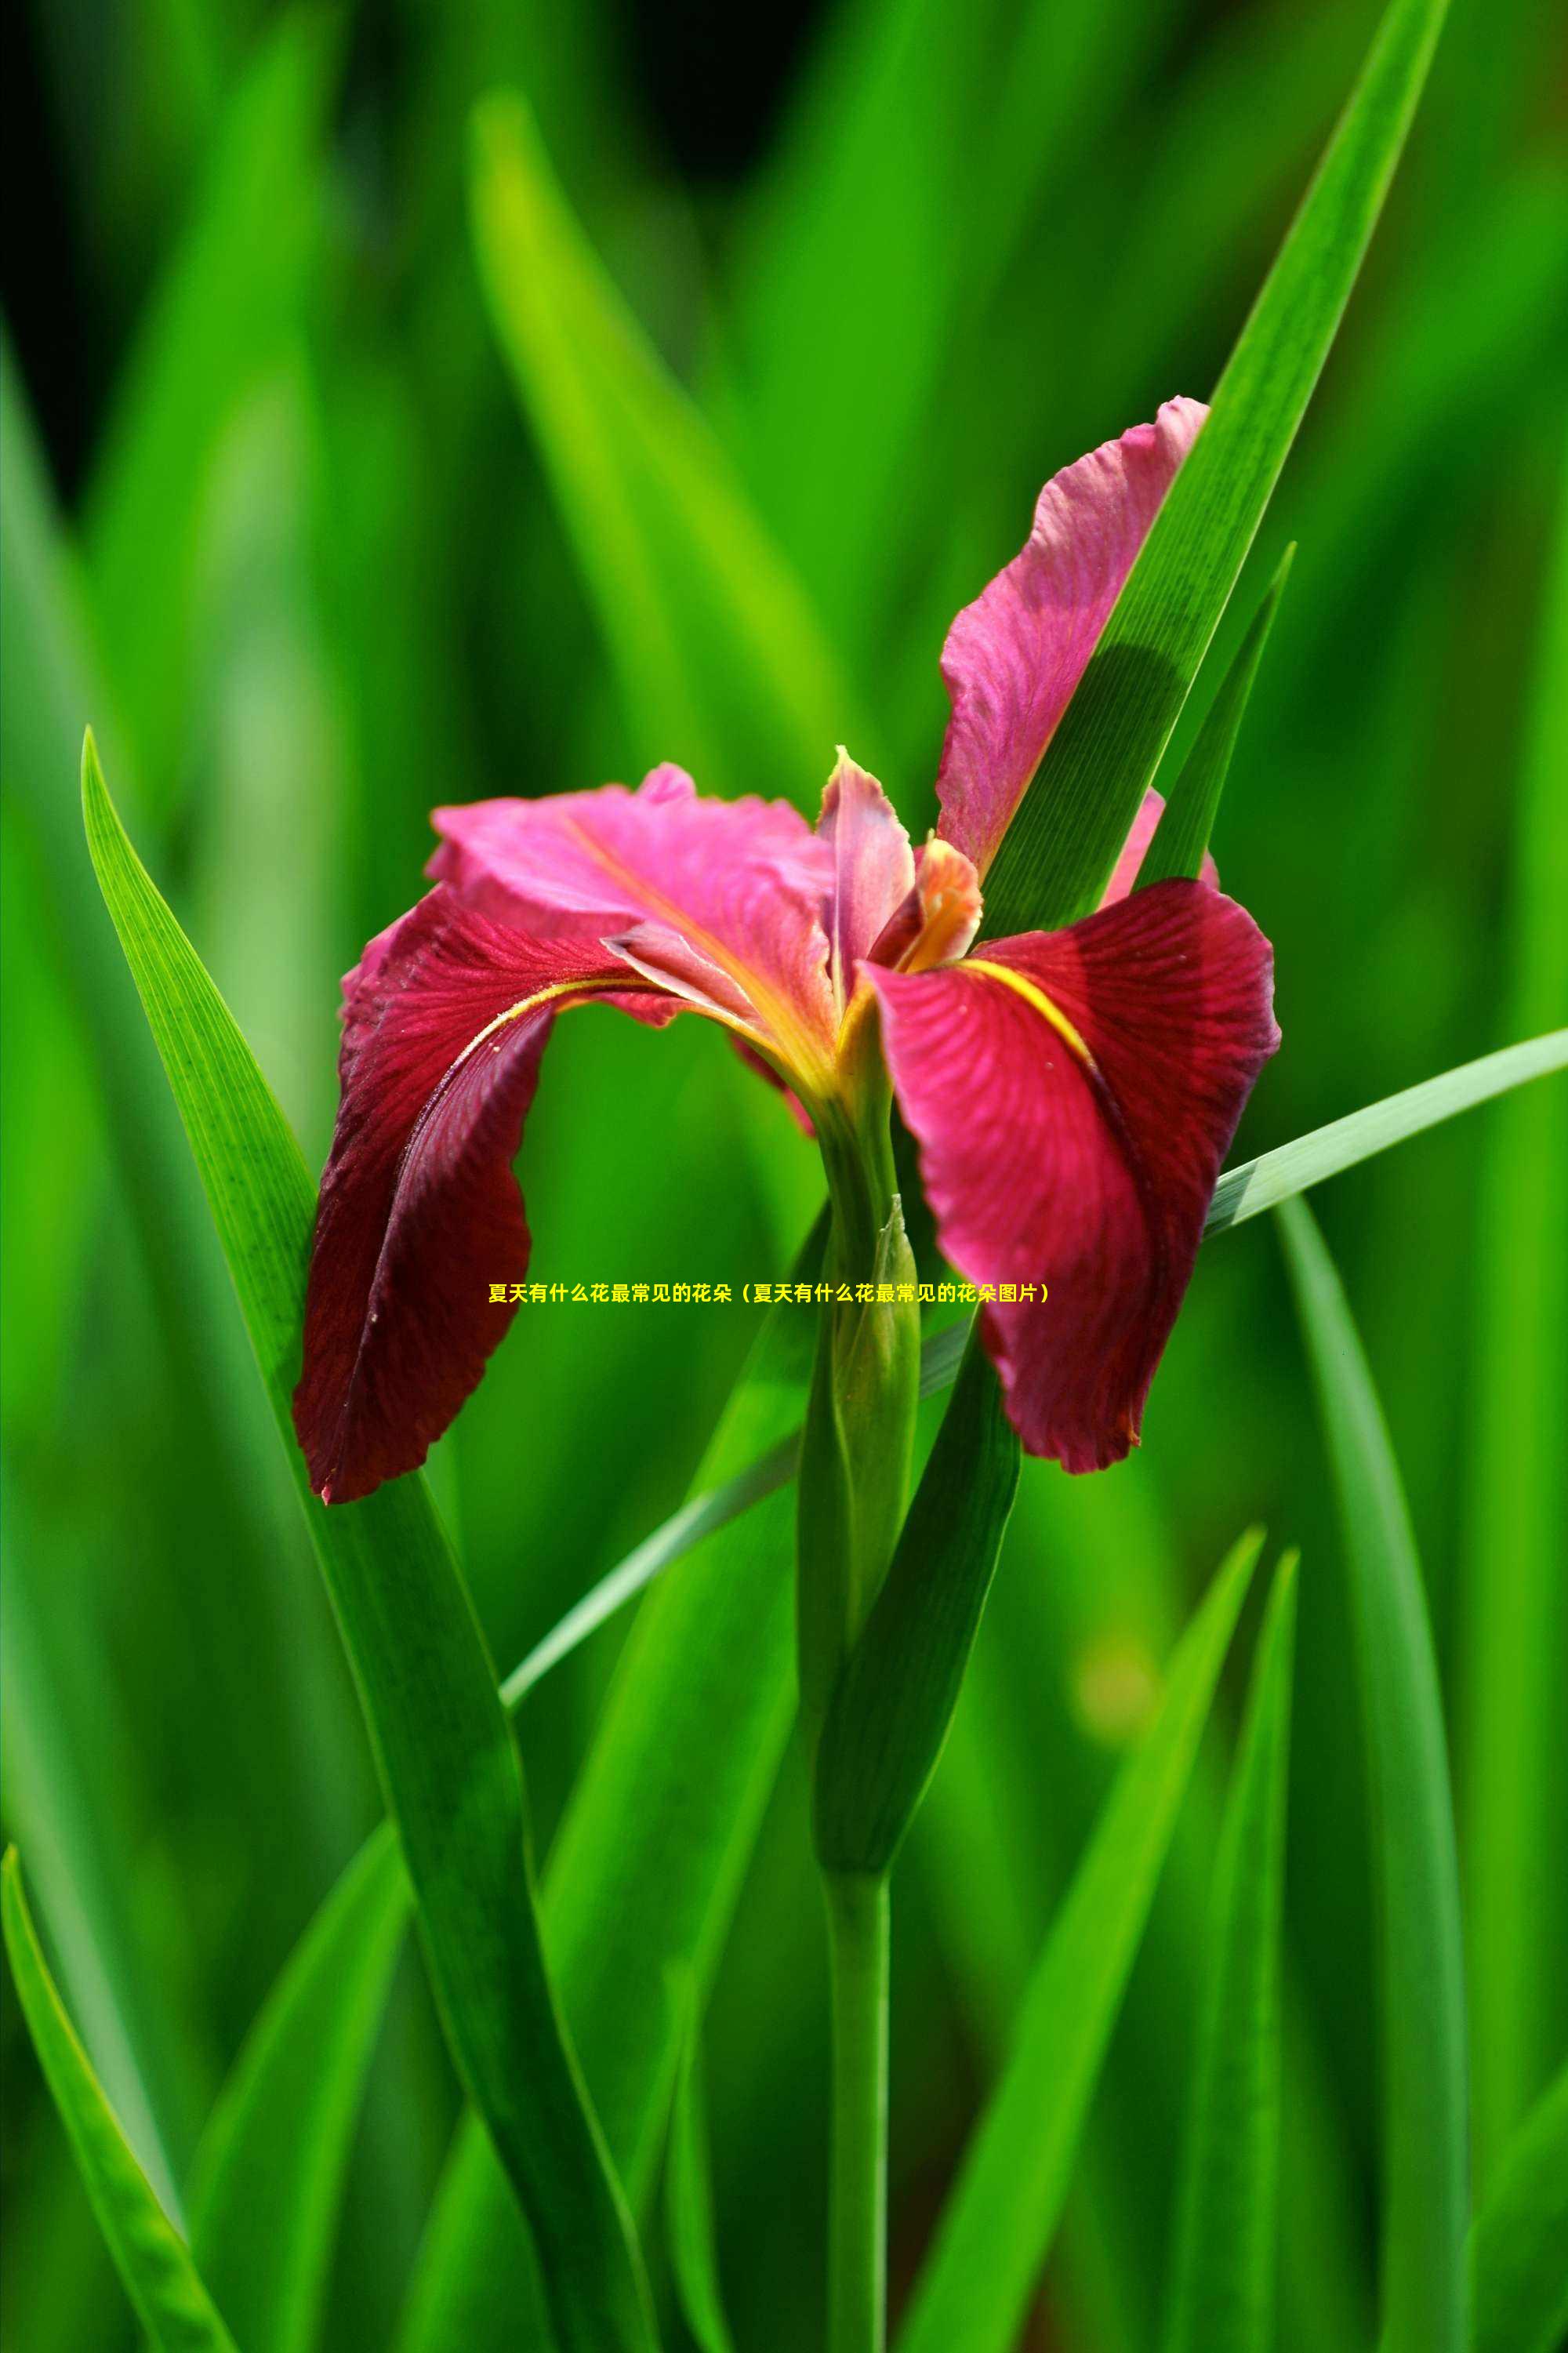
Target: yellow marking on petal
1039, 1001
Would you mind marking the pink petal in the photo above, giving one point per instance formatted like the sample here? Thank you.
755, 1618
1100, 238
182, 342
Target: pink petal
1013, 657
1075, 1143
1135, 849
743, 883
873, 868
444, 1021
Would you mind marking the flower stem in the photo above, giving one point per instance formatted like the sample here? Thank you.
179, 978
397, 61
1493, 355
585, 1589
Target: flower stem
857, 1916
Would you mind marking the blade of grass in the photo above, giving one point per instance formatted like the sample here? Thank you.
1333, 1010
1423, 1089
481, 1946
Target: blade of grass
152, 2260
1223, 2278
269, 2181
1514, 1776
1262, 1184
716, 654
997, 2226
689, 2206
1182, 836
1056, 856
449, 1765
1426, 2124
233, 289
1519, 2242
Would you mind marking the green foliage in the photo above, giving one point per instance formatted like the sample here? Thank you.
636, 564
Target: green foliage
449, 1769
1427, 2117
1222, 2289
154, 2262
269, 2175
1056, 857
1519, 2244
999, 2224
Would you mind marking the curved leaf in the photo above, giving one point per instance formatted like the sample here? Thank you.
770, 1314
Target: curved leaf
270, 2174
1222, 2289
997, 2227
1056, 856
152, 2260
1426, 2120
1518, 2245
449, 1766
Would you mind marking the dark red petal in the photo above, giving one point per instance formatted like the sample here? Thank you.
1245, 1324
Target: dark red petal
444, 1021
1077, 1144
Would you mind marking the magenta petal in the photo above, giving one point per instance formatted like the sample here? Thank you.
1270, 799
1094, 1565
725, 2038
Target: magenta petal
744, 883
1135, 849
445, 1022
1075, 1143
1013, 657
873, 868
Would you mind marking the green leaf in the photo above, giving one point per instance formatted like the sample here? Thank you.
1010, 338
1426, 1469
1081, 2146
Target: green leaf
1513, 1780
154, 2262
716, 654
689, 2201
1056, 856
449, 1766
1223, 2282
1257, 1185
1519, 2242
233, 292
644, 1875
999, 2224
894, 1698
1426, 2123
1182, 833
269, 2175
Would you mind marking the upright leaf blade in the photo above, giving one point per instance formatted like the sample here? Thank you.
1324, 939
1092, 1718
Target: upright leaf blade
693, 2242
1426, 2123
152, 2260
270, 2171
1056, 857
1182, 833
1519, 2246
449, 1765
1222, 2289
717, 657
997, 2227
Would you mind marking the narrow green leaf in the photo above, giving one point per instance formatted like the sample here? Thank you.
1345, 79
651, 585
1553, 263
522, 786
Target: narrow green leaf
1058, 854
233, 292
154, 2262
449, 1767
1519, 2242
269, 2175
894, 1700
1259, 1185
689, 2200
1182, 833
999, 2222
1222, 2288
717, 657
1513, 1780
1426, 2124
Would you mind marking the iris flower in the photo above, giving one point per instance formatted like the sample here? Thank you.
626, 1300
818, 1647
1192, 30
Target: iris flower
1071, 1093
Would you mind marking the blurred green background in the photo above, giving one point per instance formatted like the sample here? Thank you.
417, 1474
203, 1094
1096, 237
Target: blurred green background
276, 522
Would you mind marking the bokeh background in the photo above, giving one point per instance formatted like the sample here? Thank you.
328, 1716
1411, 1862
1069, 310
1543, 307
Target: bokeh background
276, 522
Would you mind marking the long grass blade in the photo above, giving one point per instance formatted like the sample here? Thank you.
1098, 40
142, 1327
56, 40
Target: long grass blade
152, 2260
1182, 833
1519, 2243
718, 659
1426, 2123
1056, 857
269, 2175
689, 2201
1513, 1780
997, 2227
449, 1765
1222, 2289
